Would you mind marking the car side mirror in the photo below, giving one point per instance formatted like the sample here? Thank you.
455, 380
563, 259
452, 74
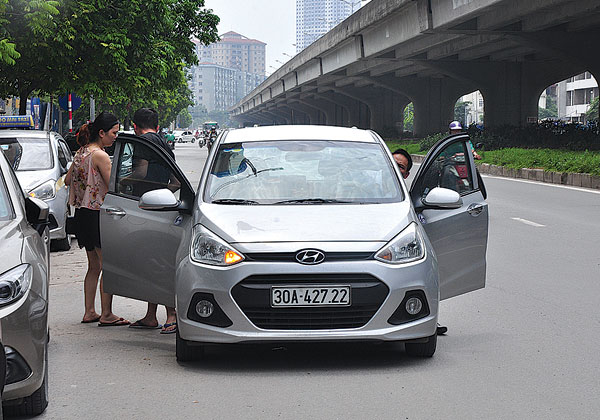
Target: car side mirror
65, 169
442, 198
37, 212
159, 200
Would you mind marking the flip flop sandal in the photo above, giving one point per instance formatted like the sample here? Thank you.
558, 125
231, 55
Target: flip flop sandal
141, 326
167, 325
90, 321
116, 323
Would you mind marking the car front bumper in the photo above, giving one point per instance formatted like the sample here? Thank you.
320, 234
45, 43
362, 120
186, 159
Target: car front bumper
221, 282
26, 331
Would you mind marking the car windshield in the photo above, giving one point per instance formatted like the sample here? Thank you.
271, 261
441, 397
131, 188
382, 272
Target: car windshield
27, 154
302, 172
5, 204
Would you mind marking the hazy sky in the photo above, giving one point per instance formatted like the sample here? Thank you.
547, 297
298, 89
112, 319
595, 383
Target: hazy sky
269, 21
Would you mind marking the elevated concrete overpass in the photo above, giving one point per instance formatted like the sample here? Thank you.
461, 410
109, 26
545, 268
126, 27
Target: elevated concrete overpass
430, 52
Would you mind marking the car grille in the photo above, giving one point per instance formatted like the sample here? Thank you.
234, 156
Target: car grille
253, 295
291, 256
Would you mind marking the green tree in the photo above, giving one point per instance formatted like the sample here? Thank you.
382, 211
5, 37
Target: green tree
409, 117
461, 110
28, 59
124, 53
551, 110
8, 51
592, 112
185, 119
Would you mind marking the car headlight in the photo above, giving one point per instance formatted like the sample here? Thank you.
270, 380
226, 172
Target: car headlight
15, 283
208, 248
407, 246
46, 191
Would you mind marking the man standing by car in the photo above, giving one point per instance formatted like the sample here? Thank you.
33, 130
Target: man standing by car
145, 124
405, 163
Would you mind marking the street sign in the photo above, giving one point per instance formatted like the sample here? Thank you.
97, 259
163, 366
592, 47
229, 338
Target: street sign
63, 101
13, 121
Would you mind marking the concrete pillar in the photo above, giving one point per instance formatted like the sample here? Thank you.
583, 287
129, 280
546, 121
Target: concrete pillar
511, 89
325, 108
336, 113
311, 112
386, 107
433, 99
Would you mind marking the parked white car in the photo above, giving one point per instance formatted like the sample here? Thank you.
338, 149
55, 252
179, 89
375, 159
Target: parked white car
184, 136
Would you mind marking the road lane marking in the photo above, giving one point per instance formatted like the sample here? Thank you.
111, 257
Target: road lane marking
527, 222
527, 181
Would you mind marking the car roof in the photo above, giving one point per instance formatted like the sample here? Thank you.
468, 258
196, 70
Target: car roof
299, 132
24, 133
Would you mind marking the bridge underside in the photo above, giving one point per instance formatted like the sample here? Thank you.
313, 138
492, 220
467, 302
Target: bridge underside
430, 52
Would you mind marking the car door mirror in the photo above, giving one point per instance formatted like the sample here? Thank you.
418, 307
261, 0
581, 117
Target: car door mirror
37, 212
442, 198
159, 200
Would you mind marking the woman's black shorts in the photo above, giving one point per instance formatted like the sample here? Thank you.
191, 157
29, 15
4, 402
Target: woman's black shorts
87, 228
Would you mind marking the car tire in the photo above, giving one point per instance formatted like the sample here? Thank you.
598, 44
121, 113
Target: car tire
193, 140
187, 352
63, 244
36, 403
426, 349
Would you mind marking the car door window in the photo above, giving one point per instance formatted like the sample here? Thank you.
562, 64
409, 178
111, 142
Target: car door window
450, 169
6, 211
141, 169
62, 156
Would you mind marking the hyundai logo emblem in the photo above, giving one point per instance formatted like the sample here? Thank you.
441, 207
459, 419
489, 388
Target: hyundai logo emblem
310, 256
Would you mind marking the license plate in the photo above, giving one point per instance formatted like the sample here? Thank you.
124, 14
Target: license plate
288, 296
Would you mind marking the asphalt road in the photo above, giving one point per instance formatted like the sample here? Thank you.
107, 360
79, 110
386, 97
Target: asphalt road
523, 347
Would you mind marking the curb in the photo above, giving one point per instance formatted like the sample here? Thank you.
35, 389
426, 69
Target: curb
540, 175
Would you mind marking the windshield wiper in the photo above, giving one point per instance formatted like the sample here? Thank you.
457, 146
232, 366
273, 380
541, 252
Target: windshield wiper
233, 201
313, 201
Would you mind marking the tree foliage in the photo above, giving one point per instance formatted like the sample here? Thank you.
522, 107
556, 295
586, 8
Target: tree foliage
126, 53
409, 117
551, 110
592, 112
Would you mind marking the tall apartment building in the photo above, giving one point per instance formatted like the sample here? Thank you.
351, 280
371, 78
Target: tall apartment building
237, 52
575, 95
218, 87
316, 17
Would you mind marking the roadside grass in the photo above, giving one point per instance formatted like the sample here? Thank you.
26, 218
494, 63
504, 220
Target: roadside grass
587, 162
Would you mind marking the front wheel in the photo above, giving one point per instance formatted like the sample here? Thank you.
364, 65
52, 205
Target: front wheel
36, 403
426, 349
185, 351
193, 140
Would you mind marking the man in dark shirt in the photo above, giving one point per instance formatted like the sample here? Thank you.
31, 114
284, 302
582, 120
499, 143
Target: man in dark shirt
156, 175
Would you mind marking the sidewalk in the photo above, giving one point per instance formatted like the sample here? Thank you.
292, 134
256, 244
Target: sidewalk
540, 175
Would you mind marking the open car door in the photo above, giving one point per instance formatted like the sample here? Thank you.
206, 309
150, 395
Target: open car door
139, 247
458, 235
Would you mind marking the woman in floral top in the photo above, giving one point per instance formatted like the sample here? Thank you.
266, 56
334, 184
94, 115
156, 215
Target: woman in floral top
88, 180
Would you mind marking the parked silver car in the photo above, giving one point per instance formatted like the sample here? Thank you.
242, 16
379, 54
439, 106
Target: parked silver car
41, 160
24, 278
297, 233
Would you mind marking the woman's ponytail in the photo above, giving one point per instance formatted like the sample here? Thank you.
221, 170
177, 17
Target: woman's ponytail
83, 135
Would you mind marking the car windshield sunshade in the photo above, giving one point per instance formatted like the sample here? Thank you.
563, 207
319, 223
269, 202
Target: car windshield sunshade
311, 172
27, 154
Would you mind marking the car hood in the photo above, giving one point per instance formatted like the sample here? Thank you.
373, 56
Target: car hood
306, 223
31, 179
11, 244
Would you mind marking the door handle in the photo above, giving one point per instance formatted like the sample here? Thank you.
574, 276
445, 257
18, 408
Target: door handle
112, 211
475, 209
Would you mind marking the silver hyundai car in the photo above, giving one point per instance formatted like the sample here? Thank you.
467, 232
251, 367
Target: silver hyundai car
41, 160
296, 233
24, 280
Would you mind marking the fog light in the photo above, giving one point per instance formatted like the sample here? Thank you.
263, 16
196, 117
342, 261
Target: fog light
414, 305
204, 308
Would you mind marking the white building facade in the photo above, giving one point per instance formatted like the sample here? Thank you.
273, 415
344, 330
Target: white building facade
574, 96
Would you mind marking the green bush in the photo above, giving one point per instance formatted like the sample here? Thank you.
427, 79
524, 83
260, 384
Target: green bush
428, 142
